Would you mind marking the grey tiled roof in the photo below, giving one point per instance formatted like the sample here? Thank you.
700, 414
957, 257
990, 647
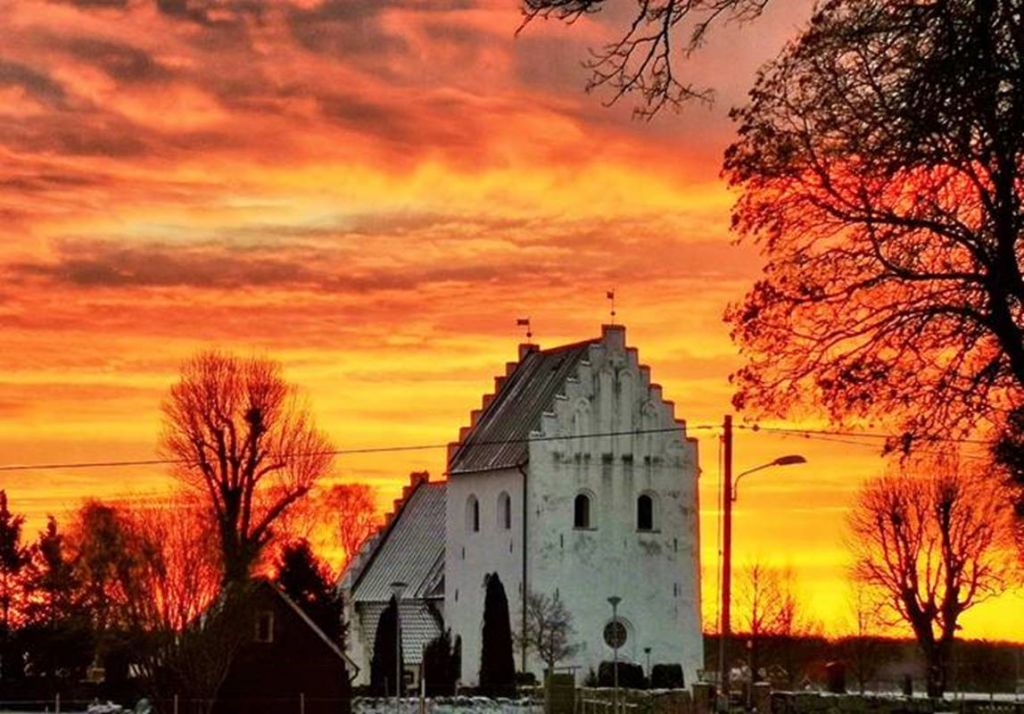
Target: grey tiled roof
498, 440
419, 627
411, 550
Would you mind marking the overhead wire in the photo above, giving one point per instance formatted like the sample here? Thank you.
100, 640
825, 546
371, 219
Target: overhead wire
356, 451
835, 436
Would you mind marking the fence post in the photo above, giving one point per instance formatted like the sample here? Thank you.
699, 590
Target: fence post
302, 703
175, 704
56, 703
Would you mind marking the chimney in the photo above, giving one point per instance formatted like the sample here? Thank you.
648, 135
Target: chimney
526, 348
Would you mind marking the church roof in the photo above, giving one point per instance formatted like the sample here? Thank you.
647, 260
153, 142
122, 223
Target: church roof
411, 550
498, 438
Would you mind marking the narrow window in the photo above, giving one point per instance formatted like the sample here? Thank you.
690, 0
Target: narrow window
644, 513
505, 511
581, 511
265, 627
472, 515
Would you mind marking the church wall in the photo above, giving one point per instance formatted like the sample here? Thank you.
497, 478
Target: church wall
655, 573
469, 556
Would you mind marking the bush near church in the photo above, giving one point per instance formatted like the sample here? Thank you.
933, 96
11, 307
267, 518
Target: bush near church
631, 676
667, 676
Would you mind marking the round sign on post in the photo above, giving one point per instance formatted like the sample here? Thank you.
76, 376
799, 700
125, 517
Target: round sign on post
615, 634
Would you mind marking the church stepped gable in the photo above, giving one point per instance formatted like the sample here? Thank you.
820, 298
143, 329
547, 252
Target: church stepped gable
496, 438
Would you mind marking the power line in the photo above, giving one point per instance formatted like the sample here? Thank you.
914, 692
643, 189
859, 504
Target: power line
855, 434
835, 436
356, 451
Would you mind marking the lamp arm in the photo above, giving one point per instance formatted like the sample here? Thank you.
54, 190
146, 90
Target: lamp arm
736, 482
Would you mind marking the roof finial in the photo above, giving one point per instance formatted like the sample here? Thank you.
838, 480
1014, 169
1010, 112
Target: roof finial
611, 297
525, 322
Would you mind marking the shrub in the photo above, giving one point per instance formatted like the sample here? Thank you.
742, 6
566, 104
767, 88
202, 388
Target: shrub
667, 676
631, 676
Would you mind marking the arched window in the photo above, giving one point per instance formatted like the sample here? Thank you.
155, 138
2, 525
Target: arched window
504, 511
581, 511
645, 512
472, 514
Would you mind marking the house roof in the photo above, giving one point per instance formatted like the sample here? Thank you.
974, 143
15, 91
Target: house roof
410, 550
498, 439
314, 627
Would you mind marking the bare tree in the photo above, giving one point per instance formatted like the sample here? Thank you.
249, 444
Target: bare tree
643, 61
931, 543
181, 576
548, 629
768, 608
880, 160
244, 441
862, 649
353, 513
196, 661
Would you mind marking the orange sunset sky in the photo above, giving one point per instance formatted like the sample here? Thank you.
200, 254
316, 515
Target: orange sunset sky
371, 191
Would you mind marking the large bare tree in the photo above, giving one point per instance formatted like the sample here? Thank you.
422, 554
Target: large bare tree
643, 62
245, 442
881, 164
931, 543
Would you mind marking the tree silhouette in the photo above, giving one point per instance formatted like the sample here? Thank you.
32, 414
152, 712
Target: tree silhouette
13, 558
354, 515
930, 543
306, 581
497, 666
385, 644
244, 442
642, 62
880, 161
439, 666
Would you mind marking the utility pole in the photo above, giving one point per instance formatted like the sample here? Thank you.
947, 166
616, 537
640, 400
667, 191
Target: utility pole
725, 630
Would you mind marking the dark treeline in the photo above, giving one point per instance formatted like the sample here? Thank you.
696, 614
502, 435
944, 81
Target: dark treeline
870, 663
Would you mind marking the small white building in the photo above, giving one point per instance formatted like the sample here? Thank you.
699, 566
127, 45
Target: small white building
574, 478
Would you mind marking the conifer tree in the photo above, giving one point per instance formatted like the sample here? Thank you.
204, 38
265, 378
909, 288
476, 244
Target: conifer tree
382, 666
497, 667
13, 558
439, 666
305, 580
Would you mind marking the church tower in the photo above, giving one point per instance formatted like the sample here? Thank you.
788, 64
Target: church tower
576, 478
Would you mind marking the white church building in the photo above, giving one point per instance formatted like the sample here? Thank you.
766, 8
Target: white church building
574, 478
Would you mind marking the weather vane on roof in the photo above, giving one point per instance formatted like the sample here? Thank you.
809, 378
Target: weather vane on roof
525, 322
611, 297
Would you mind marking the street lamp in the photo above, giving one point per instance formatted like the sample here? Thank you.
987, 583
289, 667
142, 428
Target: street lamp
614, 600
397, 588
728, 497
788, 460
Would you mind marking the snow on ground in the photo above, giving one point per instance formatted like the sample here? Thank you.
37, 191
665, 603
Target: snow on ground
447, 705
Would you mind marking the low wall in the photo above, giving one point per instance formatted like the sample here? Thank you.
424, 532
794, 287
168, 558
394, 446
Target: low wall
635, 701
819, 703
446, 705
